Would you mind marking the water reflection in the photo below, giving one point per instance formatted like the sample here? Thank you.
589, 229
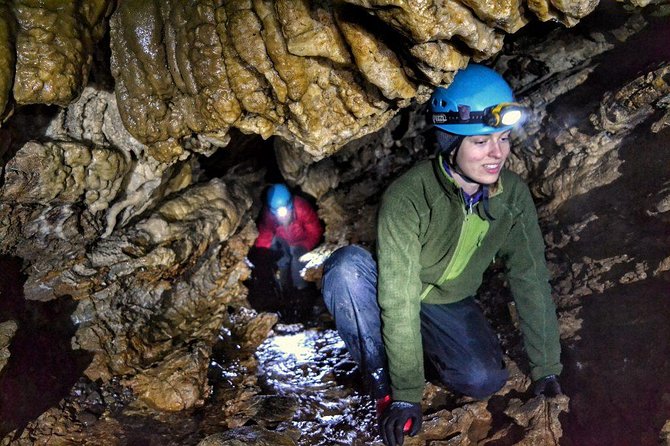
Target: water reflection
313, 366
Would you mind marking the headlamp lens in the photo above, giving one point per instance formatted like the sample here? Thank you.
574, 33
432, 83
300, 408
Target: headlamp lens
281, 212
510, 117
507, 113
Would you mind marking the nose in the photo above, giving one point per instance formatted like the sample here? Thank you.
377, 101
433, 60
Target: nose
496, 149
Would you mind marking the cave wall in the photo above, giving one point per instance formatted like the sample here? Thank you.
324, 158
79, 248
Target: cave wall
104, 200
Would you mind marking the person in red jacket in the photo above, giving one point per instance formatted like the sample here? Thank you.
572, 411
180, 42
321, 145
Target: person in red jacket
289, 228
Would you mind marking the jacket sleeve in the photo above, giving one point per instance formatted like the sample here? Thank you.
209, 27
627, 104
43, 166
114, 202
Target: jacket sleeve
266, 231
311, 228
523, 254
399, 290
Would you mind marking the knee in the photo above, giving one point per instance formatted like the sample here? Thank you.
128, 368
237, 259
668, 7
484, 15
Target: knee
346, 264
480, 382
345, 273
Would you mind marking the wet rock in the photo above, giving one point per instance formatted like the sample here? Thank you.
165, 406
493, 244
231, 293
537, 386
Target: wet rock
179, 382
463, 426
377, 62
87, 418
54, 45
236, 366
68, 173
274, 409
57, 424
7, 331
539, 417
165, 244
255, 436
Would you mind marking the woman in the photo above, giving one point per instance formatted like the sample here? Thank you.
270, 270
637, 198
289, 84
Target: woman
439, 227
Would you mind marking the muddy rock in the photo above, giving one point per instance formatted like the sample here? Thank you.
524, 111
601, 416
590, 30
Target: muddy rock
108, 199
177, 383
463, 426
271, 68
665, 433
7, 330
255, 436
54, 45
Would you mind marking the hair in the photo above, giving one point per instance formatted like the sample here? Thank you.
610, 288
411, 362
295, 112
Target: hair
448, 144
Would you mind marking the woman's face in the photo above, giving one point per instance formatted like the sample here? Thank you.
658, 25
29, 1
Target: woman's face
481, 157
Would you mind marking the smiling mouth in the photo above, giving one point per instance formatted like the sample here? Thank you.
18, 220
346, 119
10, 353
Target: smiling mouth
492, 168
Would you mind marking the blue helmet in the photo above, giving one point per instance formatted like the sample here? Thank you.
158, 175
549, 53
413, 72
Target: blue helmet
279, 200
477, 102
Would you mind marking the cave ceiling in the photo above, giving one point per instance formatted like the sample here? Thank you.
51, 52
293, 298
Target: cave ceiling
318, 74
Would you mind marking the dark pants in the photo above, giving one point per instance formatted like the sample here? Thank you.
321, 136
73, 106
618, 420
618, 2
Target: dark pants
457, 338
289, 265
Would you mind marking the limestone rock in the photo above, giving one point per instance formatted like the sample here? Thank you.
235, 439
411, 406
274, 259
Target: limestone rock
64, 173
54, 42
179, 382
540, 418
203, 221
7, 330
243, 436
665, 433
464, 426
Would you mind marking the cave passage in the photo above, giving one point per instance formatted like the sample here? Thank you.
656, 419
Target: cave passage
42, 367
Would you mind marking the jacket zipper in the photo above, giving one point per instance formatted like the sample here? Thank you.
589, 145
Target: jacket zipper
469, 225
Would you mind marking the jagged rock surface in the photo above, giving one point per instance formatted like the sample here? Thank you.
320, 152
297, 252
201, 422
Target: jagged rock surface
105, 202
319, 74
7, 330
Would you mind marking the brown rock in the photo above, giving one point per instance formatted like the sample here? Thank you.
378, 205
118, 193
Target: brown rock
245, 436
178, 382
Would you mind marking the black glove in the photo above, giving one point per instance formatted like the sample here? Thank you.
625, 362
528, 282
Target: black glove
393, 420
547, 386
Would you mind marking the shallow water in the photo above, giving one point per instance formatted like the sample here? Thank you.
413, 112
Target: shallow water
312, 364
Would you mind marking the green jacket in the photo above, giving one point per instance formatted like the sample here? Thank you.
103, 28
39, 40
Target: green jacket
431, 249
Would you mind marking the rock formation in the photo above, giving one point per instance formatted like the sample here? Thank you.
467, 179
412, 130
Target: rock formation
110, 109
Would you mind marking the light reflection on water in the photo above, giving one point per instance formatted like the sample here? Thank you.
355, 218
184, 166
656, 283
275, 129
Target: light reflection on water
332, 408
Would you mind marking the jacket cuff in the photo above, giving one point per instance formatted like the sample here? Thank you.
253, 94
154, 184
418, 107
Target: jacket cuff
410, 395
540, 372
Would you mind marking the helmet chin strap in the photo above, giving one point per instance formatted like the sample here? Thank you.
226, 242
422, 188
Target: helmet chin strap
451, 161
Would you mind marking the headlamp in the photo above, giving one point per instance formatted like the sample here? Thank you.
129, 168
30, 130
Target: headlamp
501, 115
281, 211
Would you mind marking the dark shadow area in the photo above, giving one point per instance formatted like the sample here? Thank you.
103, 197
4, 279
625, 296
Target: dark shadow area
42, 367
618, 374
615, 67
292, 305
243, 148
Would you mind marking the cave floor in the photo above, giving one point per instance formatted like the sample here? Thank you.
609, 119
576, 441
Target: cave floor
617, 373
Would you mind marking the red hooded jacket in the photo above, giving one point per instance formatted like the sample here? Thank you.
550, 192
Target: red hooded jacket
304, 229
